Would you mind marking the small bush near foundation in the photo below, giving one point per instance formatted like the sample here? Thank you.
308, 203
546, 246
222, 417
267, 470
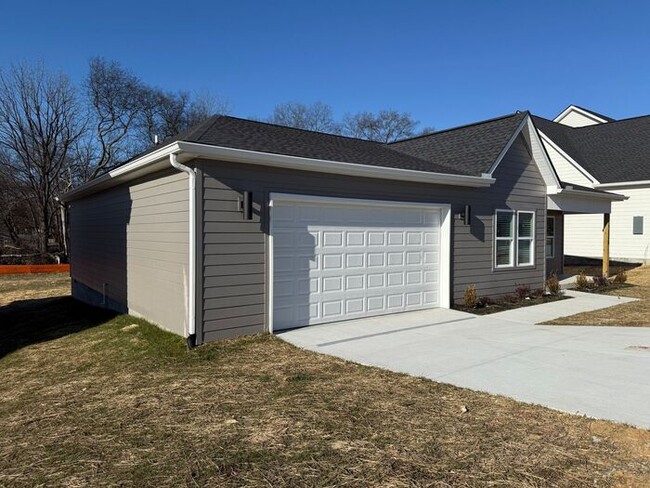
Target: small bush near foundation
470, 299
537, 293
485, 301
621, 277
553, 284
582, 283
522, 292
512, 298
600, 281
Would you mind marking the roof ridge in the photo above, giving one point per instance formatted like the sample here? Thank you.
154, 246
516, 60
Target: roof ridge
262, 122
458, 127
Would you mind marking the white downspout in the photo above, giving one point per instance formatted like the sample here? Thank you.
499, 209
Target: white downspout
191, 312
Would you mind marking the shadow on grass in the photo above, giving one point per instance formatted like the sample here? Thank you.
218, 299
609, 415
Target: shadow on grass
26, 322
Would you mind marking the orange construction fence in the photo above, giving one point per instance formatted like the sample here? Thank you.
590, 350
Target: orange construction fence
33, 268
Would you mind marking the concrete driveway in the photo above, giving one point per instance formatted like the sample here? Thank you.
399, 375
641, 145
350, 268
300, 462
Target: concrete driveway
601, 372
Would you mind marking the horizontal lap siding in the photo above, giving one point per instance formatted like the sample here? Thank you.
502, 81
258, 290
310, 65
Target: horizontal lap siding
234, 251
132, 242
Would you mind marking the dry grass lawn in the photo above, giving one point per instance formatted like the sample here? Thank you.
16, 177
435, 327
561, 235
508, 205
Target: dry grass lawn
115, 401
634, 314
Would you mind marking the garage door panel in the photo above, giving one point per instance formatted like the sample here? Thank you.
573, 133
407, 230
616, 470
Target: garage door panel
336, 262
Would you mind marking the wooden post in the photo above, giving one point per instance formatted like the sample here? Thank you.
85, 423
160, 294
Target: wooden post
606, 245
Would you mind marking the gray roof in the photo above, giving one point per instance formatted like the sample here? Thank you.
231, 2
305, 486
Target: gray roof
616, 151
468, 150
471, 148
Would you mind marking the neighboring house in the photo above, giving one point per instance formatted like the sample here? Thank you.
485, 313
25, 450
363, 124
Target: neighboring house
598, 152
239, 227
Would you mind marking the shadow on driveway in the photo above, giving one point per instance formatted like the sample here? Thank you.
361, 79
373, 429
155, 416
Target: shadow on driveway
26, 322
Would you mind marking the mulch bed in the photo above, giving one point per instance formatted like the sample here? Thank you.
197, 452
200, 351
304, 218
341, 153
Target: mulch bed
504, 304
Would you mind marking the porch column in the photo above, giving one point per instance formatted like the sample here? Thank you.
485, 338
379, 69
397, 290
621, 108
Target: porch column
606, 244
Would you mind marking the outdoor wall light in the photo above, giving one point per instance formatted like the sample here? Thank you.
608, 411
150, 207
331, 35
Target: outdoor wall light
245, 203
465, 215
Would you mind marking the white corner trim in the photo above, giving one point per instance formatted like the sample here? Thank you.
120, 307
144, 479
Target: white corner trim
586, 113
569, 159
326, 166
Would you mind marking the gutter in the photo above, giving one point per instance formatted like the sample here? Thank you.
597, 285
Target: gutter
191, 309
185, 151
624, 184
570, 191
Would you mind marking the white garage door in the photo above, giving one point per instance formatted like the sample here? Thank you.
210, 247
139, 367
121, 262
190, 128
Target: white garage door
337, 259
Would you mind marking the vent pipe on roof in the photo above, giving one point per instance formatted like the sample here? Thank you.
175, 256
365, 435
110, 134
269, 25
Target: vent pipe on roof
191, 288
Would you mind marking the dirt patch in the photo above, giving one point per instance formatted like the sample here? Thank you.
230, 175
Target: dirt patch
633, 314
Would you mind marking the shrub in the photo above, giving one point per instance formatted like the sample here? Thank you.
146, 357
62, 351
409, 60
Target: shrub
522, 292
537, 293
485, 301
621, 277
600, 281
511, 298
553, 284
471, 297
582, 283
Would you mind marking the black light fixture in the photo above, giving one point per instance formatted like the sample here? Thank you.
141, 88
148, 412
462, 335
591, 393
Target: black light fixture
246, 205
466, 215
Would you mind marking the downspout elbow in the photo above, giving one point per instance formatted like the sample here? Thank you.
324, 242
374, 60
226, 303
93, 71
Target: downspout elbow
191, 312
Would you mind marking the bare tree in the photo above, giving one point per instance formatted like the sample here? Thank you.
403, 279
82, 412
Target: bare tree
39, 125
385, 126
317, 117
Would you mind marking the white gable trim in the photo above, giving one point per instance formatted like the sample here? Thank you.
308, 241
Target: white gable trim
569, 159
584, 113
545, 166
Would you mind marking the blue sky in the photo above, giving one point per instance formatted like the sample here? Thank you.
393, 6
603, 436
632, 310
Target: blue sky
448, 63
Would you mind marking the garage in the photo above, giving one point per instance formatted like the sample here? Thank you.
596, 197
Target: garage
337, 259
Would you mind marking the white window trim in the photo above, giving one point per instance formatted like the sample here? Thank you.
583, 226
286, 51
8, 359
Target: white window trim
511, 262
531, 239
546, 236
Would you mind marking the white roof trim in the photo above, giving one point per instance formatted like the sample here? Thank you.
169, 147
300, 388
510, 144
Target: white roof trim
528, 122
571, 191
189, 150
623, 184
571, 161
586, 113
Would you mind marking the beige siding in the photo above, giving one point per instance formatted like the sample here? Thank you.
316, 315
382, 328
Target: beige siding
583, 235
565, 170
131, 243
577, 119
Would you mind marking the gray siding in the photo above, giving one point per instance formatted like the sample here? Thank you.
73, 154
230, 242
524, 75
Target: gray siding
130, 243
234, 272
556, 263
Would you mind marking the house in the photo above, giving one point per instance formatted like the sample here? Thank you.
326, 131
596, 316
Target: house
594, 151
238, 227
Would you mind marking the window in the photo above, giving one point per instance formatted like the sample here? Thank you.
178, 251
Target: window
550, 237
514, 228
637, 225
505, 238
525, 238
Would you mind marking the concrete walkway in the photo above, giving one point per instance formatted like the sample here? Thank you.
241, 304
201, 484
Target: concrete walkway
601, 372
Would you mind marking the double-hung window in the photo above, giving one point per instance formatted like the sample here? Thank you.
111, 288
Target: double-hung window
514, 238
505, 238
550, 237
525, 238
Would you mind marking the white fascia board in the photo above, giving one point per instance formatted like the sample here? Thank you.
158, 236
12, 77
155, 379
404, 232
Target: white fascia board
139, 166
586, 113
571, 161
189, 150
623, 184
573, 192
325, 166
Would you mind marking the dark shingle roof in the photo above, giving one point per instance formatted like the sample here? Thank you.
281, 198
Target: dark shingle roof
611, 152
468, 150
472, 148
270, 138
